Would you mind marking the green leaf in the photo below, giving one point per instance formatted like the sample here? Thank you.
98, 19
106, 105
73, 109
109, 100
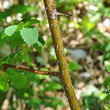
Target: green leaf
9, 31
107, 81
38, 48
18, 57
106, 12
55, 86
15, 40
87, 23
2, 41
25, 55
3, 35
40, 41
9, 59
31, 9
19, 9
4, 86
108, 67
107, 98
74, 66
107, 107
0, 63
20, 26
107, 48
30, 36
102, 96
19, 81
30, 22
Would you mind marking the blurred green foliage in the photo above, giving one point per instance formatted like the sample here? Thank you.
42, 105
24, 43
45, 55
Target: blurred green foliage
23, 83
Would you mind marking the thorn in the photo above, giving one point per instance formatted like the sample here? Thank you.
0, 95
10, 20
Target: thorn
59, 14
57, 61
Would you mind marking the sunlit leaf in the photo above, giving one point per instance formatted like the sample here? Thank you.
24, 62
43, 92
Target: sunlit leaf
108, 67
30, 36
9, 31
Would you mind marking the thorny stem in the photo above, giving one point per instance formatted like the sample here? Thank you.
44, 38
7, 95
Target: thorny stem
63, 66
31, 70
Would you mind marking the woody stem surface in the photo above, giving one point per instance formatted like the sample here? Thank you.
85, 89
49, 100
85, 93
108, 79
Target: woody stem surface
59, 49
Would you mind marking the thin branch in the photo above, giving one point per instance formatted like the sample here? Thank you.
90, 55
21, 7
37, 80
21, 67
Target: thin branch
31, 70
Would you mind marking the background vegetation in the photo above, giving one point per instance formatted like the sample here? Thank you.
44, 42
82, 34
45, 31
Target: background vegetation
86, 37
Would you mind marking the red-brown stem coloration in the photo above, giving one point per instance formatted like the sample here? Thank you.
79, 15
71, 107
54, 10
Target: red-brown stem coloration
59, 49
31, 70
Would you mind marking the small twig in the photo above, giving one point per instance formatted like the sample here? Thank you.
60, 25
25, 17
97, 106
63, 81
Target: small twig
31, 70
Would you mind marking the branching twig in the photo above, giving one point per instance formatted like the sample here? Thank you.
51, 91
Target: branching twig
31, 70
